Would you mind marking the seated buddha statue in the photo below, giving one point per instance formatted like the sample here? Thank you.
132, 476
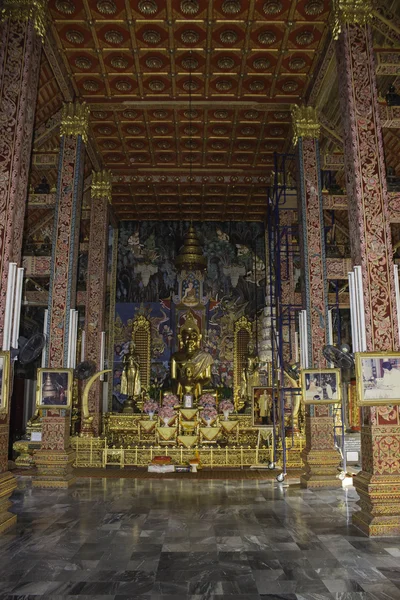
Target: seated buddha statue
190, 366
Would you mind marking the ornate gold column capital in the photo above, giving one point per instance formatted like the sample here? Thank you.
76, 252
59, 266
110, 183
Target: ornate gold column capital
75, 119
305, 123
27, 10
101, 185
357, 12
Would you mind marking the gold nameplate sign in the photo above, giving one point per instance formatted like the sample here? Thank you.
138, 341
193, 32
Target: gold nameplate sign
147, 426
210, 433
187, 440
166, 433
229, 426
188, 413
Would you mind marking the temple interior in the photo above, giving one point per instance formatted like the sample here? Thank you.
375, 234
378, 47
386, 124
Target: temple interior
200, 299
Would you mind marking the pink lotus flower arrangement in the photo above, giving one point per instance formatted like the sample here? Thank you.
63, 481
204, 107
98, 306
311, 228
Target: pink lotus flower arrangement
207, 400
170, 400
209, 413
226, 406
166, 413
150, 407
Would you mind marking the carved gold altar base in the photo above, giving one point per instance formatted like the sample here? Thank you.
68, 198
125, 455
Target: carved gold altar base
294, 449
8, 483
54, 468
379, 502
95, 452
26, 450
321, 468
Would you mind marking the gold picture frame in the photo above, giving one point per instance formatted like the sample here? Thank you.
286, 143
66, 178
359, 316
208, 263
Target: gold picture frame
4, 380
377, 378
54, 388
321, 386
262, 406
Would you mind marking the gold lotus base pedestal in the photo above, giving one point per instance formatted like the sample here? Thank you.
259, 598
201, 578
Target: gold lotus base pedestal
379, 503
54, 468
8, 484
321, 469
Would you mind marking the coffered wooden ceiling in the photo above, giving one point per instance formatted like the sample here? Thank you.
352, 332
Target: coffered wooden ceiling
243, 63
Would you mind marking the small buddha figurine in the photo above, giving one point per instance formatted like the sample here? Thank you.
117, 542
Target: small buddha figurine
130, 378
190, 366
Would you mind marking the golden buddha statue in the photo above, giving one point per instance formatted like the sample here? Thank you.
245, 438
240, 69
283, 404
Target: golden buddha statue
250, 375
130, 378
190, 366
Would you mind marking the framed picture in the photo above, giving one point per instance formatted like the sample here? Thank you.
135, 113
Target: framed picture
262, 407
54, 388
4, 380
378, 378
321, 386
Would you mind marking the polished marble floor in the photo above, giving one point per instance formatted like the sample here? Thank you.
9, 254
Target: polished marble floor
165, 539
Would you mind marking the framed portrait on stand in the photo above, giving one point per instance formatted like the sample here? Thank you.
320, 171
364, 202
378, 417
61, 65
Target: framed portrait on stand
54, 388
377, 378
4, 380
321, 386
262, 402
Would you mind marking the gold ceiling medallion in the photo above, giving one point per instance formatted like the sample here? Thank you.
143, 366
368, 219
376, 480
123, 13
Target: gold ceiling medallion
99, 114
190, 63
101, 185
151, 37
220, 130
90, 85
261, 63
160, 114
106, 7
133, 130
350, 11
305, 38
147, 7
190, 130
83, 63
314, 7
228, 37
157, 85
273, 7
305, 123
137, 145
191, 114
123, 86
113, 37
277, 131
153, 62
65, 6
109, 145
119, 62
290, 86
296, 64
251, 114
190, 7
191, 144
217, 146
161, 130
75, 119
190, 86
280, 116
244, 146
104, 130
231, 7
248, 131
257, 86
221, 114
226, 62
216, 158
242, 158
27, 10
266, 38
190, 36
129, 114
223, 85
74, 37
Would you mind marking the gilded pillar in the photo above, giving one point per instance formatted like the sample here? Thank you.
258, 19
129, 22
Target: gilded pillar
22, 28
54, 459
320, 456
378, 484
96, 285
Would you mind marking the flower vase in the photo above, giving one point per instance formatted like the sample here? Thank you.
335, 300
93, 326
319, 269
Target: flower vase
166, 422
208, 421
151, 415
226, 415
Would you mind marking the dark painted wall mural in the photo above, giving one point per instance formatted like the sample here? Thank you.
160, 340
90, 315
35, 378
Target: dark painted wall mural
148, 284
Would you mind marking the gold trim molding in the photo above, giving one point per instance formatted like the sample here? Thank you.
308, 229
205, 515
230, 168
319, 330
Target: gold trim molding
355, 12
305, 123
27, 10
75, 119
101, 185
